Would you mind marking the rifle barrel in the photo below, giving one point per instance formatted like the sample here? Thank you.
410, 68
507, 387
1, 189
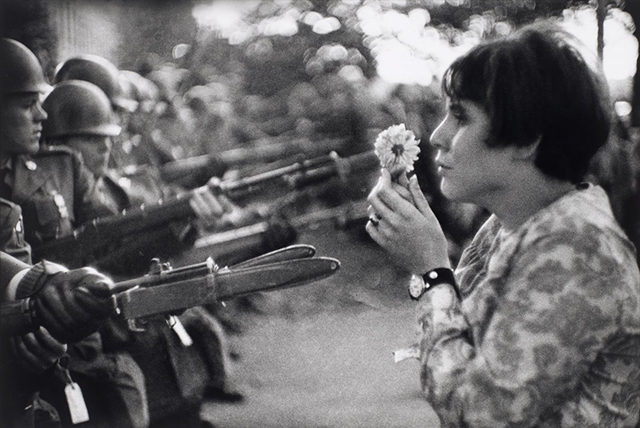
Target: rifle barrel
264, 150
278, 173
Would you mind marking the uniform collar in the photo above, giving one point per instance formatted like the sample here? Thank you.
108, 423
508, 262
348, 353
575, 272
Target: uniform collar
8, 164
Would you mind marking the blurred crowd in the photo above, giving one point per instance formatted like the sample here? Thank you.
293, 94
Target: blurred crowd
111, 141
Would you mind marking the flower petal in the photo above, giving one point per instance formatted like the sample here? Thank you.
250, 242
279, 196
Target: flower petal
397, 148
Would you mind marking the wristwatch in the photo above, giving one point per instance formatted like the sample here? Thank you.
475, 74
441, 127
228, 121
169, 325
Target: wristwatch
421, 283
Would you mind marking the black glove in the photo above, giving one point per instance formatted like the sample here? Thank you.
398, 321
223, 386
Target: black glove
71, 305
279, 234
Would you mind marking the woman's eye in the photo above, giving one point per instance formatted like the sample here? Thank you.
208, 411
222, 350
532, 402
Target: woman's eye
459, 116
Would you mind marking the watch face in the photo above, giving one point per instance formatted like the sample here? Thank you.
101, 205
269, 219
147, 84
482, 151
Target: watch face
416, 286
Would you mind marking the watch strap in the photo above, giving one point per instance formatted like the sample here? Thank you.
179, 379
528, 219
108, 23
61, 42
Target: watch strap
441, 276
436, 277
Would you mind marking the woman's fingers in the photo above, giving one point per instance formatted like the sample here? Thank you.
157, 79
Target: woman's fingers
419, 200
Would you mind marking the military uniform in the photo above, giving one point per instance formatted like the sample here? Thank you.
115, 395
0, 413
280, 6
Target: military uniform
132, 255
12, 239
111, 194
56, 193
21, 406
176, 375
17, 409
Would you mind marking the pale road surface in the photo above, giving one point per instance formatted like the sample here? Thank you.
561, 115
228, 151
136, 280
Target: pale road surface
321, 355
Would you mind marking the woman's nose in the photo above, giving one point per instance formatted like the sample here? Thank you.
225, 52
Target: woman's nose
439, 137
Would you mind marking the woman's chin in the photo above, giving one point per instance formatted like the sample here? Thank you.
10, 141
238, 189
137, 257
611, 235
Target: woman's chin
449, 190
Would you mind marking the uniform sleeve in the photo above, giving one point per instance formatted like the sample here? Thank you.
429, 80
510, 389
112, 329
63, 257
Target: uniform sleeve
10, 267
12, 234
88, 204
543, 328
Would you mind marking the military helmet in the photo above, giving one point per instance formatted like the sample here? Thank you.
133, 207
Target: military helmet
99, 71
76, 107
20, 70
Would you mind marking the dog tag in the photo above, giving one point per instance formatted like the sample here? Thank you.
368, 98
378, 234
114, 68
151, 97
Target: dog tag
77, 406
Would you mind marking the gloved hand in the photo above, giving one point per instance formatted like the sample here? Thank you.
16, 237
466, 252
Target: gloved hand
279, 234
73, 304
37, 351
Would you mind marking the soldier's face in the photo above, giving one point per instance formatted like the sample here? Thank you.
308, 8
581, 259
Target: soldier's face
95, 151
21, 118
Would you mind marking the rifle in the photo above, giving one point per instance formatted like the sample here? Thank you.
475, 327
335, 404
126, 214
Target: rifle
197, 170
166, 291
81, 247
225, 245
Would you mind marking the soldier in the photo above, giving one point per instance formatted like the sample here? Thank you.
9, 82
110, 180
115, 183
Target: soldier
140, 148
41, 312
128, 150
57, 194
79, 116
44, 307
37, 180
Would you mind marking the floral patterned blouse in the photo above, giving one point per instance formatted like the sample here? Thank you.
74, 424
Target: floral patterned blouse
548, 330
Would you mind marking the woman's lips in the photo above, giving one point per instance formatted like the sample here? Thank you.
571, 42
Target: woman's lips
442, 168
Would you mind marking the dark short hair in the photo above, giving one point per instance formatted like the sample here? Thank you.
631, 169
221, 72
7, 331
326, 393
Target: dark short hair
536, 84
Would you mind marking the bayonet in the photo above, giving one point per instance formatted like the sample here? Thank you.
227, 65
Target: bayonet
166, 291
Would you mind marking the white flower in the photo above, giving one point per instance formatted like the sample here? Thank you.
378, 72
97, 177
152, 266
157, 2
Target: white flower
397, 149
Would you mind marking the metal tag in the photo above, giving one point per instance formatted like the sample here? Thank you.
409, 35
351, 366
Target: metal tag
180, 331
77, 406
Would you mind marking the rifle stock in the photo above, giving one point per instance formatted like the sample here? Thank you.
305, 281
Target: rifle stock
81, 247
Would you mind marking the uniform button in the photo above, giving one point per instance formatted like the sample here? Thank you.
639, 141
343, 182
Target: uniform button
31, 165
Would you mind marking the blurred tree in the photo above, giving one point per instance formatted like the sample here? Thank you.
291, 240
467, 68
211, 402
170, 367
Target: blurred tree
633, 8
150, 29
28, 22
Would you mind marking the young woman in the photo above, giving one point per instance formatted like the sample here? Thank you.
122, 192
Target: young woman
540, 323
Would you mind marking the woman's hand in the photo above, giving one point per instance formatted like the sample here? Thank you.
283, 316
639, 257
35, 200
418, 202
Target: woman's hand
406, 228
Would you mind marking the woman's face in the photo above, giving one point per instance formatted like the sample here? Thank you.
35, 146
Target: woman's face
470, 170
